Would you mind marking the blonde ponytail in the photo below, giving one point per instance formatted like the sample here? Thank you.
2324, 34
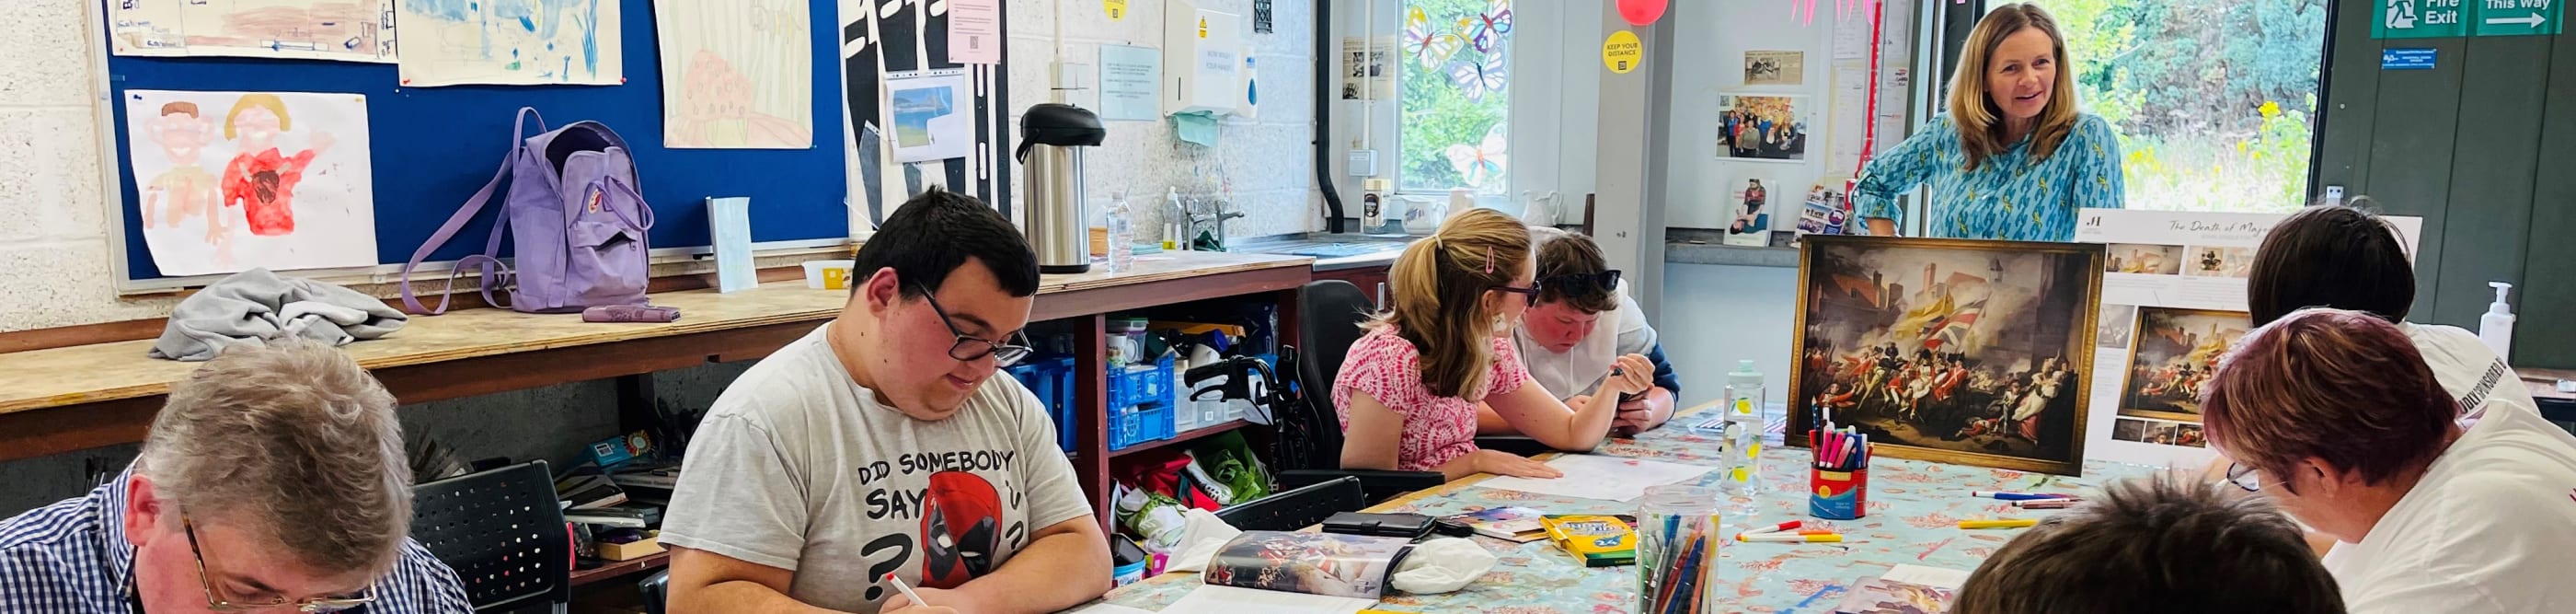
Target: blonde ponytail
1442, 301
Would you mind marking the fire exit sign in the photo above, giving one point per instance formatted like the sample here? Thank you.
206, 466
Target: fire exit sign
2449, 18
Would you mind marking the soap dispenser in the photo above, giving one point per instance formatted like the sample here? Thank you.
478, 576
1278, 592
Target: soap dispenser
2496, 327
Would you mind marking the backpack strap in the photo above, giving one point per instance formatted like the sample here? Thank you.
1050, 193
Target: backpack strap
495, 274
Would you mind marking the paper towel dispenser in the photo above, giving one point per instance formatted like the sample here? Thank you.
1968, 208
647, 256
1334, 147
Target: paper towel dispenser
1203, 60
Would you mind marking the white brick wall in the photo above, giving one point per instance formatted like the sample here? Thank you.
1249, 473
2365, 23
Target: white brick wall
54, 254
1270, 161
53, 232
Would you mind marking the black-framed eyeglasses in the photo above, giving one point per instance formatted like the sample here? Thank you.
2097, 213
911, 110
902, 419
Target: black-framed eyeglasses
969, 348
2244, 477
222, 604
1584, 284
1529, 294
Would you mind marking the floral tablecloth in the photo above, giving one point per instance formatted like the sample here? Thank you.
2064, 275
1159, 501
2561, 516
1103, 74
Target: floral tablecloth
1913, 510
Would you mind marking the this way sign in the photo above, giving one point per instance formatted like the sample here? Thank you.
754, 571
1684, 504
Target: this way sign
2449, 18
2516, 17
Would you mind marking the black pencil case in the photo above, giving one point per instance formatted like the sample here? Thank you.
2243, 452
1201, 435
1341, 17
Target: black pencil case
1408, 526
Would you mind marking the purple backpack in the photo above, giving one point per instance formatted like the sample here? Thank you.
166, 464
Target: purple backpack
577, 222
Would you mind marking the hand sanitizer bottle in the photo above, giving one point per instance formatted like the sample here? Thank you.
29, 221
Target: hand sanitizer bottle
2496, 327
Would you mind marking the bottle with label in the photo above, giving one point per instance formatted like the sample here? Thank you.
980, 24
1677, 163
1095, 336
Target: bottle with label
2496, 327
1122, 233
1741, 447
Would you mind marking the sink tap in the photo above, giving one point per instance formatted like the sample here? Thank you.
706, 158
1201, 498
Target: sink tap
1213, 217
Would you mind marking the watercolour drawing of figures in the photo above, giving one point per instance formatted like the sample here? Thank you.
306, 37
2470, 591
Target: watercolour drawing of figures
229, 181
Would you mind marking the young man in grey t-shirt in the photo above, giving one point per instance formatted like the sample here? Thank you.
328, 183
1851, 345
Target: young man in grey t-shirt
882, 442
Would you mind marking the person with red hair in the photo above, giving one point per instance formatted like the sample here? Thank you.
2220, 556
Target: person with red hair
2335, 415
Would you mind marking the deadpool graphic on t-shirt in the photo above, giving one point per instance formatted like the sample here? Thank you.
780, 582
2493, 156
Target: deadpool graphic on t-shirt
960, 529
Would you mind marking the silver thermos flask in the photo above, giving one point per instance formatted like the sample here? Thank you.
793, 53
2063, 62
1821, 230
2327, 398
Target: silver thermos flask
1051, 140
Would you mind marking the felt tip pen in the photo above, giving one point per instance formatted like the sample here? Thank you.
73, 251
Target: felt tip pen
2047, 504
1998, 524
907, 590
1785, 526
2014, 496
1785, 538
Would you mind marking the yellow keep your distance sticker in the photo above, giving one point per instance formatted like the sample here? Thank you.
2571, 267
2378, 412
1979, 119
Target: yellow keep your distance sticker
1622, 52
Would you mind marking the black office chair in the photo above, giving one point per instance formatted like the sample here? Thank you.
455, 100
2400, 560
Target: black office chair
503, 533
1330, 313
1295, 509
656, 591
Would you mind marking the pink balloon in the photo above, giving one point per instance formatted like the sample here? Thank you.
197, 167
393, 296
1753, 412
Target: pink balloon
1641, 12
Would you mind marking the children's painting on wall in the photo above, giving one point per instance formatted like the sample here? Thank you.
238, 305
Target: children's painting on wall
2174, 352
344, 30
739, 74
230, 181
1969, 352
511, 42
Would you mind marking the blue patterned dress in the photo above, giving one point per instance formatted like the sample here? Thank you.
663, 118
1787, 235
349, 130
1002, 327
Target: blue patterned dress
2010, 197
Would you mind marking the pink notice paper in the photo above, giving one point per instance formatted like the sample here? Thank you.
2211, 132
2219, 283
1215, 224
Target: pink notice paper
975, 31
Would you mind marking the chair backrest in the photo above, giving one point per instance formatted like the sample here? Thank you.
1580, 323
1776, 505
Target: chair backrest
503, 533
1296, 509
1330, 313
656, 592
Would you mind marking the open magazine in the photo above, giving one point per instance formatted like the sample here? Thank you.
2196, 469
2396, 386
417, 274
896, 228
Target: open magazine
1355, 566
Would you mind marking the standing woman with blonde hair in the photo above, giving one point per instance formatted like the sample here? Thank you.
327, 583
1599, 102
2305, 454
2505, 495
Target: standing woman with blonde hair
1407, 391
2013, 159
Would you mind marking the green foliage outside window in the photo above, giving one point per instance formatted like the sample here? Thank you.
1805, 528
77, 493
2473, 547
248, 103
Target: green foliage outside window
2215, 103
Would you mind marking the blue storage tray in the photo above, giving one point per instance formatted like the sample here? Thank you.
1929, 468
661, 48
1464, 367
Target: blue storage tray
1051, 379
1131, 387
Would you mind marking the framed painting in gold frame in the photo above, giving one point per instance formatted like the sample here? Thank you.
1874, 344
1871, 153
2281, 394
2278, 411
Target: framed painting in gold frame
1954, 351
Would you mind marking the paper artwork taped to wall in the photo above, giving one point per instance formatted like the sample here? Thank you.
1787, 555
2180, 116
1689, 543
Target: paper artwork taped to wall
344, 30
512, 42
736, 74
230, 181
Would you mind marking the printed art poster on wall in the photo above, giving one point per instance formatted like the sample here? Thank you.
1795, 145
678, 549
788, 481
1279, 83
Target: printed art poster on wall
230, 181
2173, 303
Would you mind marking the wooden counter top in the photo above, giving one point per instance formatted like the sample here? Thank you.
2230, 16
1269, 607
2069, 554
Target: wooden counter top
86, 374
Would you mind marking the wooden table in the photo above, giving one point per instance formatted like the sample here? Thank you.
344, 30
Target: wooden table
85, 396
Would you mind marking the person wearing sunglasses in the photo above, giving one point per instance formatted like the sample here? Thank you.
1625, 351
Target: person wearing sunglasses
273, 480
1408, 390
883, 441
2334, 415
1583, 322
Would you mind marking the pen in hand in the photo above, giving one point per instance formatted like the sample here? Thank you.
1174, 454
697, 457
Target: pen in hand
905, 589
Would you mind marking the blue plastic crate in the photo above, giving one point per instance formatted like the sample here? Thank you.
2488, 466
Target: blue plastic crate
1158, 423
1051, 380
1132, 386
1129, 431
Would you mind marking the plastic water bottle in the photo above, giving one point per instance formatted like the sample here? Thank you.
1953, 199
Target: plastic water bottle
1122, 234
1742, 443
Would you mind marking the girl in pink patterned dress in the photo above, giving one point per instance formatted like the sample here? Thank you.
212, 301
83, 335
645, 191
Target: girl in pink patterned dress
1408, 390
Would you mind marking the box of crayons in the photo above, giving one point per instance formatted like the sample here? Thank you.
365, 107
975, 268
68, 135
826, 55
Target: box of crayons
1838, 485
1601, 541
